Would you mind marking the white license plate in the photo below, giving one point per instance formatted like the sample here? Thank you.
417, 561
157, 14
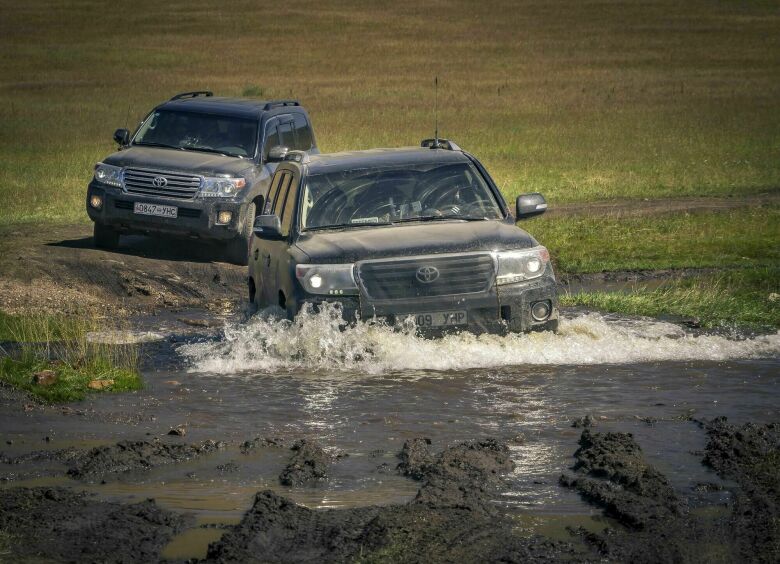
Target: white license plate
440, 318
155, 209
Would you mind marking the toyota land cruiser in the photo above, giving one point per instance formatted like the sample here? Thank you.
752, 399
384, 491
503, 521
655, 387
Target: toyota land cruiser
197, 166
398, 234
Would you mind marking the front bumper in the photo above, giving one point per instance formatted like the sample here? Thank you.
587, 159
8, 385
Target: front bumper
504, 309
196, 217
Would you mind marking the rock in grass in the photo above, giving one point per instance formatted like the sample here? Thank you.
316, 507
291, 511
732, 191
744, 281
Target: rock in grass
44, 378
100, 384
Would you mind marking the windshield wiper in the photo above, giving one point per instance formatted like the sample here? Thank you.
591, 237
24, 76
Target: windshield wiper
150, 144
210, 150
440, 218
340, 225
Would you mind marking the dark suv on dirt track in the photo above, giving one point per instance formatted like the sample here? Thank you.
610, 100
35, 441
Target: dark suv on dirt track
416, 235
197, 166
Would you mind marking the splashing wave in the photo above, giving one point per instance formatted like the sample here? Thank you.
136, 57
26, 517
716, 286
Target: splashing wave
318, 342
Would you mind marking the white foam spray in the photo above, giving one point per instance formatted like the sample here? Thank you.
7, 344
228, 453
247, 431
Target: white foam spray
319, 342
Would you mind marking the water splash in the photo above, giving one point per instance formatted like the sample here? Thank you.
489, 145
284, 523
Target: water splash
320, 342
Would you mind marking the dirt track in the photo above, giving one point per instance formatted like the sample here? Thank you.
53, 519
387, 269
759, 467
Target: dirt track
59, 270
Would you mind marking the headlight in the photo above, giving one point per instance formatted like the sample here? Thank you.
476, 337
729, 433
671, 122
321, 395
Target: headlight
221, 187
107, 174
516, 266
329, 279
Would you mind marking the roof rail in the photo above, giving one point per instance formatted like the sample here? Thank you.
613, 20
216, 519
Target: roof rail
440, 144
281, 103
194, 94
301, 157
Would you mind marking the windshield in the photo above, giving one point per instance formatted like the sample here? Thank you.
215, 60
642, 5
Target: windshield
199, 132
376, 196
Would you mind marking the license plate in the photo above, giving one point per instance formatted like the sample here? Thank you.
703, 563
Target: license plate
155, 209
440, 318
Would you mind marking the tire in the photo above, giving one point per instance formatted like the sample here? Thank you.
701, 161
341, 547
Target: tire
105, 237
237, 250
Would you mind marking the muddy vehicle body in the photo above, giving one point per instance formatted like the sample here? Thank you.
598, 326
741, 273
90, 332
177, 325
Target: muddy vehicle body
419, 234
198, 166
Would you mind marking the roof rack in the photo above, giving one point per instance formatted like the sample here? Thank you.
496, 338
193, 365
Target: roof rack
440, 144
194, 94
301, 157
280, 104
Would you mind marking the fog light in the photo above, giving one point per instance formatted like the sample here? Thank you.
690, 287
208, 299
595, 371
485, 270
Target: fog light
540, 311
224, 217
315, 281
96, 202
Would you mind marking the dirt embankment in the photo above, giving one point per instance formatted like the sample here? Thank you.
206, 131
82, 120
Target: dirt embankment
57, 270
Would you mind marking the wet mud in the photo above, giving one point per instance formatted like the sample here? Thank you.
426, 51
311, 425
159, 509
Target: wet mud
308, 463
657, 524
129, 456
452, 518
749, 455
60, 525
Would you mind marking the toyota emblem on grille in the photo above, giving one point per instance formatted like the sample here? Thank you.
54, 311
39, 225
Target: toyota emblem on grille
427, 274
160, 181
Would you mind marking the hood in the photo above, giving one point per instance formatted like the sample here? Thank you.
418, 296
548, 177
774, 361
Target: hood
174, 160
356, 244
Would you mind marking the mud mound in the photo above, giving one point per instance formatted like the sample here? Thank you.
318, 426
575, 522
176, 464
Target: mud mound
309, 462
127, 456
750, 455
465, 475
415, 458
61, 525
439, 525
612, 473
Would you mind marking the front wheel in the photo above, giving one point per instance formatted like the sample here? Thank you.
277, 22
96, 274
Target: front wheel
105, 237
237, 250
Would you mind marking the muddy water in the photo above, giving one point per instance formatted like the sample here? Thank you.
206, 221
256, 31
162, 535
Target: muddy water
365, 390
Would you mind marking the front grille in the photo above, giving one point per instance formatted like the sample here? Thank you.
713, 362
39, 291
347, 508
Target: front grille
183, 212
180, 186
397, 279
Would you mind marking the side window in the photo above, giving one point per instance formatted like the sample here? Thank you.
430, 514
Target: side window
302, 132
289, 206
271, 138
286, 137
273, 193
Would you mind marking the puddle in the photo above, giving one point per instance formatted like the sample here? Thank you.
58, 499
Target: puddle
366, 390
193, 543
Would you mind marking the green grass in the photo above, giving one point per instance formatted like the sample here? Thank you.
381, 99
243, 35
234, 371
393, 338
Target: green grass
747, 298
582, 100
739, 238
61, 344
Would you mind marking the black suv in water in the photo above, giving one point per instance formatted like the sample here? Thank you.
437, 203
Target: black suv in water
197, 166
419, 234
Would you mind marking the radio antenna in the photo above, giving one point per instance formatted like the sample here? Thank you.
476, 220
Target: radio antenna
436, 111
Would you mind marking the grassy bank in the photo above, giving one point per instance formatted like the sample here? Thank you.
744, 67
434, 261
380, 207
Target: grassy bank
580, 100
68, 364
726, 239
748, 298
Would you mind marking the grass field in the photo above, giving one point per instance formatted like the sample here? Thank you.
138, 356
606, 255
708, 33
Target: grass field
61, 344
580, 100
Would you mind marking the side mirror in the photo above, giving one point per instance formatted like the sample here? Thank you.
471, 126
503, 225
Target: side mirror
277, 154
122, 137
529, 205
267, 227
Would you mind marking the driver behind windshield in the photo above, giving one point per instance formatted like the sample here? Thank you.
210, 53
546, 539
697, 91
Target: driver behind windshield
390, 195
